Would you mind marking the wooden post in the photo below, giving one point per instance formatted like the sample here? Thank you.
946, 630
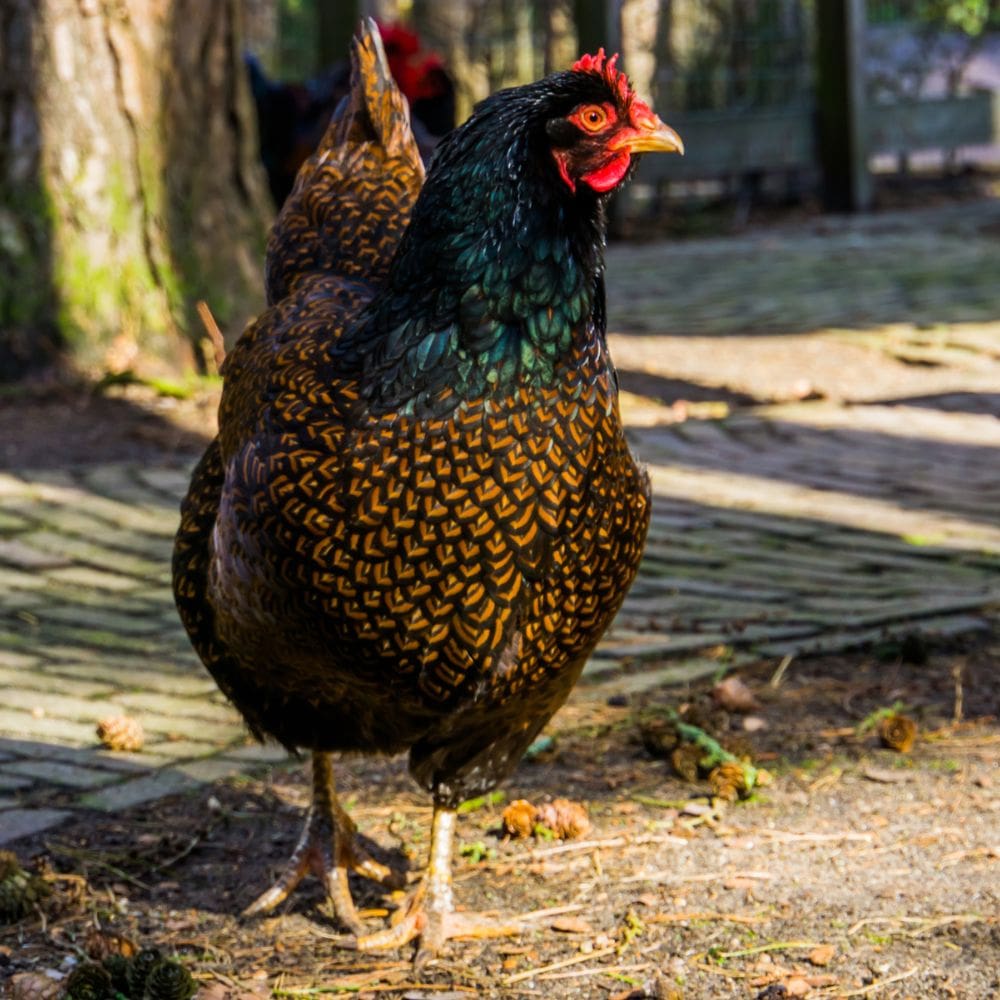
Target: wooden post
840, 104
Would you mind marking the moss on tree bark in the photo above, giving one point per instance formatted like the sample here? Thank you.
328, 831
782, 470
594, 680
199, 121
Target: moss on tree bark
132, 189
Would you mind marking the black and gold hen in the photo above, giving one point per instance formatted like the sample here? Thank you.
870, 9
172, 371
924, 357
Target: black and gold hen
420, 513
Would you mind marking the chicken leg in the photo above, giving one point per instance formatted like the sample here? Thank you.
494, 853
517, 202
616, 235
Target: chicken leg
328, 848
429, 913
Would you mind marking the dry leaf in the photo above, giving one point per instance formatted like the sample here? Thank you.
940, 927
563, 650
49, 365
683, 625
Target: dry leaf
733, 695
100, 945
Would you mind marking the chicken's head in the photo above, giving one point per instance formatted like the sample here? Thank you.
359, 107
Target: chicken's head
603, 124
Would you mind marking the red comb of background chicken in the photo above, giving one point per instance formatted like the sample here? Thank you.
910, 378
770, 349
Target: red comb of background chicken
606, 68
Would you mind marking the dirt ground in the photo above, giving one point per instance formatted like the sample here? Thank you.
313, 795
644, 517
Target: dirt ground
859, 871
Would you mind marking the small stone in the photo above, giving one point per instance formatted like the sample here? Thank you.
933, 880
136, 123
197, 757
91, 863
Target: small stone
822, 955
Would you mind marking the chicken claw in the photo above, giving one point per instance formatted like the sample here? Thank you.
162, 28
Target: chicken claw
429, 914
329, 849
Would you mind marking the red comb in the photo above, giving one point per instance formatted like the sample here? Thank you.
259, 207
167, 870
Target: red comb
606, 68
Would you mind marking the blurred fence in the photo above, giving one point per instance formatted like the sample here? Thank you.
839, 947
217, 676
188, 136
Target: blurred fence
736, 77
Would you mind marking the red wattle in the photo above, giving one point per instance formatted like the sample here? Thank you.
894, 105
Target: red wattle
609, 175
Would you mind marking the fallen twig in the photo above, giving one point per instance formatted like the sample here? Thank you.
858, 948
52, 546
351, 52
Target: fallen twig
955, 857
606, 970
371, 987
575, 960
213, 331
865, 991
780, 672
925, 924
676, 918
718, 970
90, 857
761, 948
787, 837
552, 911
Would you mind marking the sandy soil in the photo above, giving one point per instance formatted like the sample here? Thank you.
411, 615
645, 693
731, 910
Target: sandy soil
860, 871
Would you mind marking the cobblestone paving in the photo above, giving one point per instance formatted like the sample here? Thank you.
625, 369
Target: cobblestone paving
777, 531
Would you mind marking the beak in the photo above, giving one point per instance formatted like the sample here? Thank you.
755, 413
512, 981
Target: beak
652, 137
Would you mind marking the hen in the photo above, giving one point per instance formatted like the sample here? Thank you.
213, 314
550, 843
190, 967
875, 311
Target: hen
421, 513
292, 117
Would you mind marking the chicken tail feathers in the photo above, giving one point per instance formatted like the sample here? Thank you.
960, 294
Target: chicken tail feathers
352, 197
375, 110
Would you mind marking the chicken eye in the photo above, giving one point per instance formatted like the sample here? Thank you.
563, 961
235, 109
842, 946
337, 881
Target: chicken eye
593, 118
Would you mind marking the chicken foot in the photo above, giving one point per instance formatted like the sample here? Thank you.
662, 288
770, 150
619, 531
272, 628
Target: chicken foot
429, 913
328, 848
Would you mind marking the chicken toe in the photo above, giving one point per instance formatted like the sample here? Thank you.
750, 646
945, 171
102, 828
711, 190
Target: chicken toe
429, 912
329, 849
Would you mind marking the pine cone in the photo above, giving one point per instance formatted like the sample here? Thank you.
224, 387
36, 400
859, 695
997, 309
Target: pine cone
168, 980
9, 865
897, 732
120, 732
565, 819
519, 818
118, 966
659, 735
728, 781
88, 981
562, 818
20, 892
685, 760
139, 968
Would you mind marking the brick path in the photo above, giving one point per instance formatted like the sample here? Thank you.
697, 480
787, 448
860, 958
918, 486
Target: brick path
778, 531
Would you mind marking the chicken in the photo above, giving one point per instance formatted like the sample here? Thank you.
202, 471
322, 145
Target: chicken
292, 117
420, 512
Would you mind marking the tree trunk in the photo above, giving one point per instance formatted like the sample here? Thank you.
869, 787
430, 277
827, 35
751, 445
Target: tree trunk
132, 189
